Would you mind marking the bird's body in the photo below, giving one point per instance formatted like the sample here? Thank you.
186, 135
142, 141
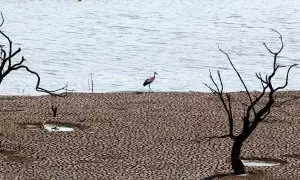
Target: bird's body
149, 81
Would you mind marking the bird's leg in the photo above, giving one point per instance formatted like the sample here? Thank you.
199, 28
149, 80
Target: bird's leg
149, 88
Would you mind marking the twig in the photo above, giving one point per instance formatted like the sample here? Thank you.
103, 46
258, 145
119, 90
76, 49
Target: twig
92, 82
2, 19
89, 85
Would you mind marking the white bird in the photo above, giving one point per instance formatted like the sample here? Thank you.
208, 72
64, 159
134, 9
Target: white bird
149, 81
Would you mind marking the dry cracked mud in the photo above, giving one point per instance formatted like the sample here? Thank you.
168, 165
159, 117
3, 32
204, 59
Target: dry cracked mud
141, 136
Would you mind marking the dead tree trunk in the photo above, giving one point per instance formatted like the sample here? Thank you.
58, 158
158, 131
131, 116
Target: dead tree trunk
252, 116
7, 66
237, 165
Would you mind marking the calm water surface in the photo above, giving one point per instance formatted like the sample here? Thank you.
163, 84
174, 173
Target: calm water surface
123, 42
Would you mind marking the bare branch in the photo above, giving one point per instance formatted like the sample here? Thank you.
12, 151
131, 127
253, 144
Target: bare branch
212, 79
219, 75
286, 79
275, 53
89, 85
2, 19
227, 108
3, 53
38, 88
13, 54
92, 82
211, 89
268, 48
20, 63
10, 49
258, 75
240, 77
7, 66
280, 36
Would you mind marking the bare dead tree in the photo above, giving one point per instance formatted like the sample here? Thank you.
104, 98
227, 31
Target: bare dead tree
7, 65
253, 115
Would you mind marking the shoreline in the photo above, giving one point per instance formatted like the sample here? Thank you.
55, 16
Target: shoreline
141, 92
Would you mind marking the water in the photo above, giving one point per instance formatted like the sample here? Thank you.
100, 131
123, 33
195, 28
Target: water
258, 163
57, 128
123, 42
